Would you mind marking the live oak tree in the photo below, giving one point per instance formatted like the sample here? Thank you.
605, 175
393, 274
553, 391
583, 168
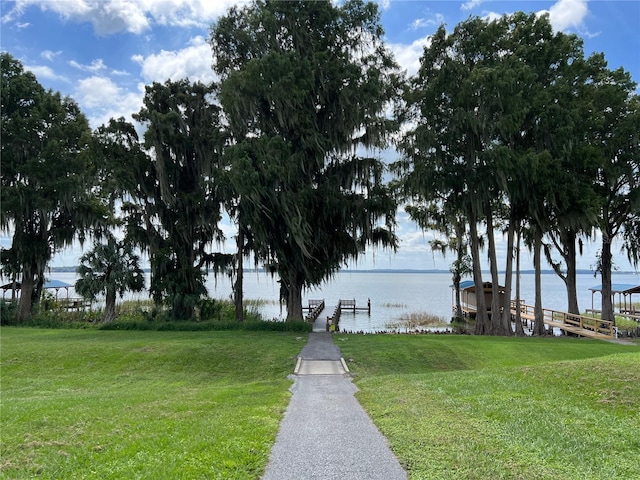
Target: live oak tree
176, 206
45, 188
305, 87
110, 268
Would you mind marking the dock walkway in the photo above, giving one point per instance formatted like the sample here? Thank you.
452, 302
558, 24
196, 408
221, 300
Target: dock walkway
581, 325
578, 324
317, 308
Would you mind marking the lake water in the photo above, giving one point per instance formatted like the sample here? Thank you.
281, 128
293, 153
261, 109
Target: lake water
392, 294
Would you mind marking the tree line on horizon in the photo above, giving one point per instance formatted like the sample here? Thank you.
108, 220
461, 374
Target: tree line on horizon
506, 127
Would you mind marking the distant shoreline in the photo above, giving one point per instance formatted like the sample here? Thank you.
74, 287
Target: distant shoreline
389, 270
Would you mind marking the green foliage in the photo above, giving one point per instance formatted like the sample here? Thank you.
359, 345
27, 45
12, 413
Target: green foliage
510, 123
110, 268
250, 325
8, 311
210, 308
303, 94
45, 142
60, 319
177, 193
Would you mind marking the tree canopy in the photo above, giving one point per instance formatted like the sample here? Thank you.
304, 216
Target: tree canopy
175, 211
46, 184
506, 126
110, 268
306, 87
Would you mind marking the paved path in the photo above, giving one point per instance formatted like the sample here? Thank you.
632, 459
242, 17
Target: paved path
325, 434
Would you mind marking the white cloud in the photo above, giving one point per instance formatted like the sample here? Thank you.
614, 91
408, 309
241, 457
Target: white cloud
120, 73
433, 21
471, 4
134, 16
408, 56
49, 55
192, 62
43, 71
491, 16
565, 14
92, 92
101, 99
95, 66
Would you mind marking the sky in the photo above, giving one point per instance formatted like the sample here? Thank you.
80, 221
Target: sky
102, 53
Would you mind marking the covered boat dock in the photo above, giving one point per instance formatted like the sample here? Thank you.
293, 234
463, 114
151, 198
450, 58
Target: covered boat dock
624, 291
468, 297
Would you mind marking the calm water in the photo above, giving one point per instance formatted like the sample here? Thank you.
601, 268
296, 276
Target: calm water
393, 294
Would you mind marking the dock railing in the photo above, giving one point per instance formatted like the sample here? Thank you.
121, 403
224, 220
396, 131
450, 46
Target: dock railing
570, 322
315, 309
332, 322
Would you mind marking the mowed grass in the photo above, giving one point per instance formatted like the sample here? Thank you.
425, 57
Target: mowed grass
463, 407
155, 405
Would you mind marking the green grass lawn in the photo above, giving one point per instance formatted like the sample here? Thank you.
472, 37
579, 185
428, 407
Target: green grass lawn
155, 405
166, 405
494, 408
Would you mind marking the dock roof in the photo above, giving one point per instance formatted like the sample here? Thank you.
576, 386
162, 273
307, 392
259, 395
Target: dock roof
623, 288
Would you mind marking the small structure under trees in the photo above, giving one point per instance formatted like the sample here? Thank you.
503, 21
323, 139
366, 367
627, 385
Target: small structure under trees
469, 297
624, 292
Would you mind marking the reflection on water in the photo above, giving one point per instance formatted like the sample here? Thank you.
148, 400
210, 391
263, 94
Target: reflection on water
392, 295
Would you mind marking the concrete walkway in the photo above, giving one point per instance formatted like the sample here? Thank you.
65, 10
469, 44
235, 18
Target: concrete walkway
325, 434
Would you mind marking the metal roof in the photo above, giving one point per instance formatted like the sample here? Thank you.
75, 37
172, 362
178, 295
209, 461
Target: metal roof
624, 288
471, 286
55, 284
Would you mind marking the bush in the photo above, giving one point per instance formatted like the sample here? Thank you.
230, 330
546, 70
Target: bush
8, 311
211, 309
134, 315
63, 319
191, 326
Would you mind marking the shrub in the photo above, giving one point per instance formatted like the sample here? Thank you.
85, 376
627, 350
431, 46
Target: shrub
191, 326
63, 319
8, 312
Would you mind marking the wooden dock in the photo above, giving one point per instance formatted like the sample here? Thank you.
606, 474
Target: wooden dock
315, 309
581, 325
333, 322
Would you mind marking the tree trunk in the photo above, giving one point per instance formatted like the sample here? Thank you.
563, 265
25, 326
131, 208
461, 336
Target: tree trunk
571, 283
606, 266
294, 302
566, 245
508, 278
481, 307
497, 328
237, 288
519, 328
460, 246
538, 326
27, 291
26, 294
110, 306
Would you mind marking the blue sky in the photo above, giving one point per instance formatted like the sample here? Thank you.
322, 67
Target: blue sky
103, 52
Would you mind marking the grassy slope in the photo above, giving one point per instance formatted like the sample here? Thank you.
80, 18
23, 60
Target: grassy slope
161, 405
476, 408
91, 404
